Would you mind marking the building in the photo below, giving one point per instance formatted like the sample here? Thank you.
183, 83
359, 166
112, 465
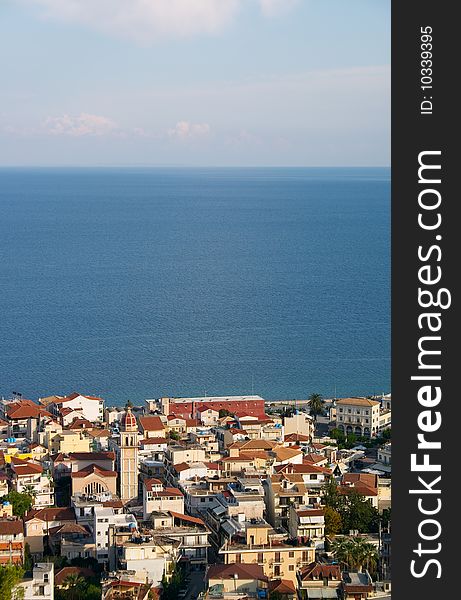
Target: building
191, 532
307, 523
151, 427
30, 476
188, 407
319, 581
127, 457
357, 586
106, 522
69, 441
299, 423
232, 580
90, 407
92, 473
38, 522
11, 541
150, 557
158, 498
260, 544
358, 416
40, 585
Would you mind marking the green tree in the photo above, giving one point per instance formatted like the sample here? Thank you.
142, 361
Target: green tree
331, 496
316, 404
10, 576
21, 502
75, 586
333, 521
358, 513
30, 491
223, 412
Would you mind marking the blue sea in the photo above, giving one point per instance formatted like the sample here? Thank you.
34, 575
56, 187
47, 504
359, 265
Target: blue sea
140, 283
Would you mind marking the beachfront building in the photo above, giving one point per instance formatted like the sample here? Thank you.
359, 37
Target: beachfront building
189, 407
358, 416
78, 405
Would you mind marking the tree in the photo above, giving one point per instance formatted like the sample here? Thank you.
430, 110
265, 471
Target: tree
30, 491
358, 513
331, 496
75, 585
10, 576
316, 403
223, 412
355, 553
21, 502
333, 521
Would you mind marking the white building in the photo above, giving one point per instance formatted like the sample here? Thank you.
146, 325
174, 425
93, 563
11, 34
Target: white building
90, 407
41, 585
105, 519
157, 498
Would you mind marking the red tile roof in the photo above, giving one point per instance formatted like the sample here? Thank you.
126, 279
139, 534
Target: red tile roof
51, 514
243, 571
316, 571
92, 455
11, 527
90, 469
63, 573
186, 518
151, 423
80, 424
75, 395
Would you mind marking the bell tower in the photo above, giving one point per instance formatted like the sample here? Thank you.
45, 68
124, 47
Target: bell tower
128, 464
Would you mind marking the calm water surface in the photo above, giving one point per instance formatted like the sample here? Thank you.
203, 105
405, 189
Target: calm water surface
138, 283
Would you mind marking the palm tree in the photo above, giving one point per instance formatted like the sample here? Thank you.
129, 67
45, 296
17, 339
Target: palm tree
30, 491
315, 403
355, 553
343, 550
74, 584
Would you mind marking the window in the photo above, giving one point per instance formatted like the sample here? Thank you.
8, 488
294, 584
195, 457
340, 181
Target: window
260, 557
291, 567
277, 557
238, 558
291, 554
276, 571
41, 590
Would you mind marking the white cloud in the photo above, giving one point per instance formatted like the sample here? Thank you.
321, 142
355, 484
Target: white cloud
149, 20
83, 125
145, 20
184, 130
273, 8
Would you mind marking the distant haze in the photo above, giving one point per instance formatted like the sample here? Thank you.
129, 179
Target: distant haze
202, 83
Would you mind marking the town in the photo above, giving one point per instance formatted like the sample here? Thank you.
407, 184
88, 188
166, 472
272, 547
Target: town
210, 498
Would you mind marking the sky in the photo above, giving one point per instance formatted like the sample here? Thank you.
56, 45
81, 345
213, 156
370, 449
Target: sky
195, 82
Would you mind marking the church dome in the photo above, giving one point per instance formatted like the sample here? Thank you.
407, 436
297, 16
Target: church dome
129, 421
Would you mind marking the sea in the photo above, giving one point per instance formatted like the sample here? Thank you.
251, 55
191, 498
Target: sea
135, 283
